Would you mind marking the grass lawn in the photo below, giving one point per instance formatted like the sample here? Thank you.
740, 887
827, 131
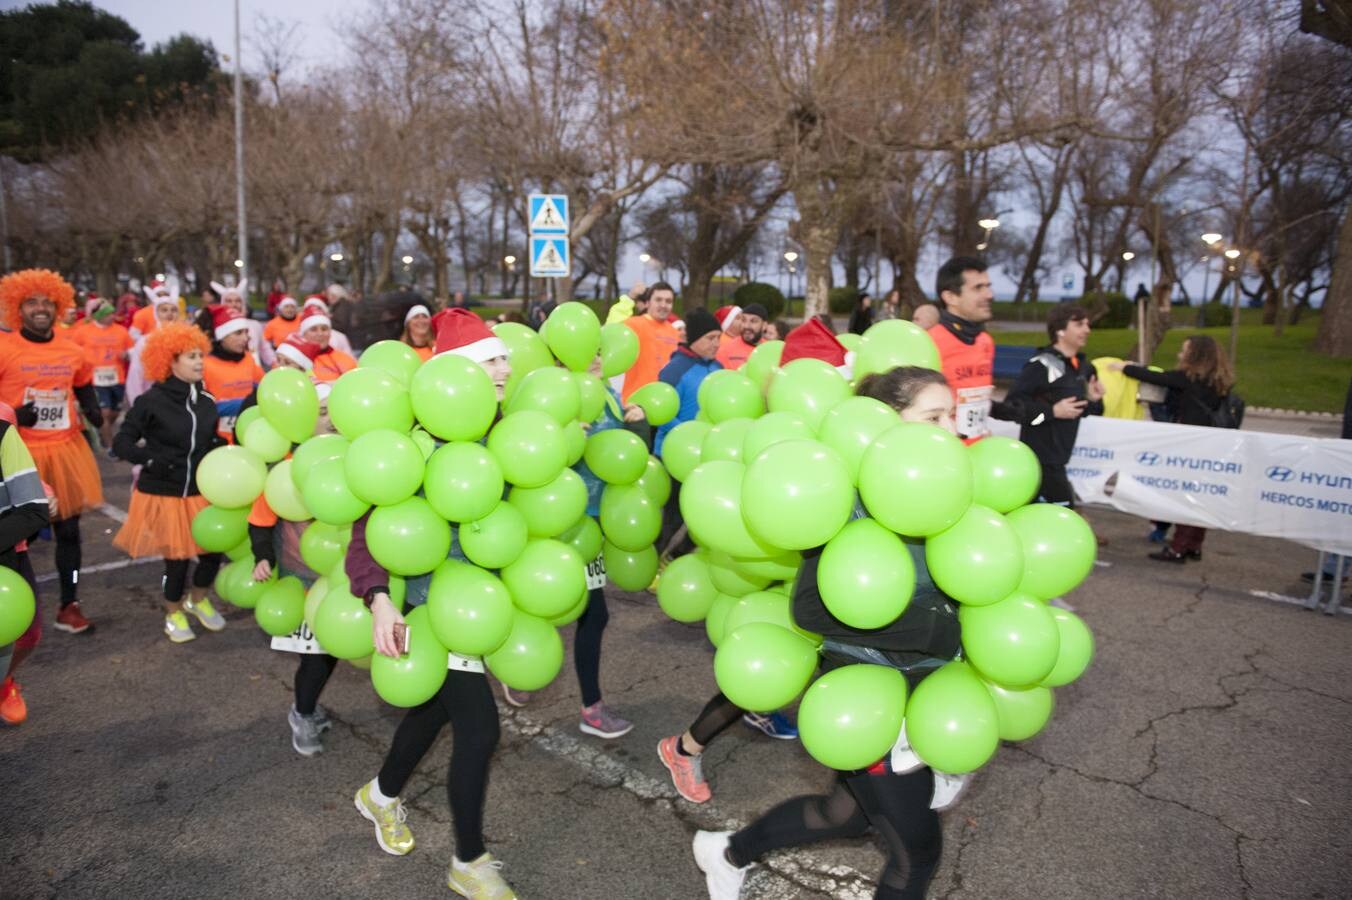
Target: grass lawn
1279, 372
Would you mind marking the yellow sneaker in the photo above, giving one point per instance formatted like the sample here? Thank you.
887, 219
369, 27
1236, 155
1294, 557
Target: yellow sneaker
479, 880
391, 832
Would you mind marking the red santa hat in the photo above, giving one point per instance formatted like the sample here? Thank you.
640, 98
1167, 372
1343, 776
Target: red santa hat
287, 301
314, 312
226, 320
463, 333
299, 350
726, 316
813, 340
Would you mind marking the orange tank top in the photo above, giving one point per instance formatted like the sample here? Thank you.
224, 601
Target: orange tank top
968, 369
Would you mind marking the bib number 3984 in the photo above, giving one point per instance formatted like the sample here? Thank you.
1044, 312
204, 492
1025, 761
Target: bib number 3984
974, 404
52, 408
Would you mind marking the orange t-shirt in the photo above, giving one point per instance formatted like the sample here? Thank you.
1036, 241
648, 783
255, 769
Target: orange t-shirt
143, 320
733, 351
226, 381
424, 353
45, 374
656, 342
331, 364
106, 346
279, 329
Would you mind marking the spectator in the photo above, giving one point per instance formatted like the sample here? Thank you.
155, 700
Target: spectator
890, 308
862, 316
657, 338
926, 315
775, 331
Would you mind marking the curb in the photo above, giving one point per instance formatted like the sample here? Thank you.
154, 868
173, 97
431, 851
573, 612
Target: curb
1275, 413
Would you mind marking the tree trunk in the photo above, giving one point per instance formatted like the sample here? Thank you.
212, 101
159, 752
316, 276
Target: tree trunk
1334, 337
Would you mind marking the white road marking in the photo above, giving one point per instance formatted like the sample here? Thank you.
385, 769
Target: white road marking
112, 512
104, 567
1294, 601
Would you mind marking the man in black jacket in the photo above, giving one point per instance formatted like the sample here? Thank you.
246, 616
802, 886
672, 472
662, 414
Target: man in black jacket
1056, 388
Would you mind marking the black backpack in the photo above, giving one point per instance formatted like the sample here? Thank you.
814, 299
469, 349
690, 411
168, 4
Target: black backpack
1228, 412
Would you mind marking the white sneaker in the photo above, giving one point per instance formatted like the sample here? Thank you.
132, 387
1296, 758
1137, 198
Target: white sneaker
947, 789
205, 613
722, 878
176, 627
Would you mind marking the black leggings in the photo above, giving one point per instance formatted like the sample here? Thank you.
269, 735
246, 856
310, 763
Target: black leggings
311, 675
1055, 487
67, 535
466, 701
895, 806
714, 719
587, 646
176, 574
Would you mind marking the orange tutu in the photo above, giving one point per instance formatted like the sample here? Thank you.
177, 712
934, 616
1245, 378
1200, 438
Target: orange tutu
160, 526
69, 468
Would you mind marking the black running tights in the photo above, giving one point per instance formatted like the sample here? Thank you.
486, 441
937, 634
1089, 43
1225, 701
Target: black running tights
714, 719
466, 701
587, 646
311, 676
176, 574
67, 535
895, 806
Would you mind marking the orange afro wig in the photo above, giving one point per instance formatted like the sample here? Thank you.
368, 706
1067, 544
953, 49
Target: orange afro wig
17, 287
166, 343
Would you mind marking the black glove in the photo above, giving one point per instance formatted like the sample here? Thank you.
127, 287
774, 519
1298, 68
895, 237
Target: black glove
88, 399
26, 415
94, 417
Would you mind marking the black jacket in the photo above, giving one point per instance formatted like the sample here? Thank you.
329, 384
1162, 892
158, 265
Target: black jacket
1047, 378
168, 430
1191, 401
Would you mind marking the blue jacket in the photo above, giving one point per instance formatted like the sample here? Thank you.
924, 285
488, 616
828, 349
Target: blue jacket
685, 371
610, 418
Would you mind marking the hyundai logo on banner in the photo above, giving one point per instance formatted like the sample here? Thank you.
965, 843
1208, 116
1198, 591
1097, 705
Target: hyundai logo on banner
1148, 458
1280, 473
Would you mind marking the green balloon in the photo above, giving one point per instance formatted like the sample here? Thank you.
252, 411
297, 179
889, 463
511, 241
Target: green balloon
629, 517
546, 578
281, 608
282, 496
553, 508
916, 479
617, 456
759, 606
231, 477
978, 560
573, 614
453, 398
682, 446
849, 340
365, 400
774, 568
1005, 472
427, 445
496, 539
470, 609
529, 447
951, 721
762, 363
227, 579
1076, 649
585, 537
809, 388
17, 605
408, 538
574, 335
630, 570
685, 589
245, 419
851, 716
463, 482
592, 393
866, 575
726, 394
394, 358
288, 399
342, 624
313, 451
265, 440
728, 579
655, 481
892, 343
323, 546
526, 351
658, 401
313, 597
415, 677
711, 504
574, 443
1020, 713
762, 667
244, 591
383, 467
1015, 642
1058, 548
239, 551
718, 615
327, 495
531, 656
852, 426
797, 494
725, 441
216, 530
772, 428
552, 391
619, 349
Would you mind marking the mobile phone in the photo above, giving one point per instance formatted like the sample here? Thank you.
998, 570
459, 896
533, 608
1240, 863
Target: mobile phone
401, 637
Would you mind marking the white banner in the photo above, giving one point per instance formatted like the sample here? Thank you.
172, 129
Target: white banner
1278, 485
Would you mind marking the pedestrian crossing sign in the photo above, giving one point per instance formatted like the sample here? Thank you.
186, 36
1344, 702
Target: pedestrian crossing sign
549, 257
549, 214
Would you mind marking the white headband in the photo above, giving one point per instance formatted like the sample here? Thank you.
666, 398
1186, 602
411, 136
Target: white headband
417, 310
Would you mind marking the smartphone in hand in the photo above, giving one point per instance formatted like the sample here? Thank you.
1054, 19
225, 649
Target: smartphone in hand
401, 637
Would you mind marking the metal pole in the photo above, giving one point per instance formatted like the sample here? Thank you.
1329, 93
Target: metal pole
239, 158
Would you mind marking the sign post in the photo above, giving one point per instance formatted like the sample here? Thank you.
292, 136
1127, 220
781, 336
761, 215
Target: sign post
550, 255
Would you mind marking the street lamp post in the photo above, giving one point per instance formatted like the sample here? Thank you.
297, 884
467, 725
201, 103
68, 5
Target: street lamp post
791, 257
1234, 254
987, 225
510, 262
1211, 239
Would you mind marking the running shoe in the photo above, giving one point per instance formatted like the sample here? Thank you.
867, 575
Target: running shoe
321, 717
1169, 555
686, 773
70, 619
603, 723
205, 613
479, 880
514, 697
722, 878
13, 711
775, 725
177, 628
304, 733
392, 833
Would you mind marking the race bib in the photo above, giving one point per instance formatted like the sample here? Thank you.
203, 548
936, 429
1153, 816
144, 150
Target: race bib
974, 404
596, 573
302, 640
52, 408
459, 663
105, 376
226, 425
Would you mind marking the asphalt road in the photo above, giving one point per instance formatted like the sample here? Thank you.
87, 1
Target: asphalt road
1203, 755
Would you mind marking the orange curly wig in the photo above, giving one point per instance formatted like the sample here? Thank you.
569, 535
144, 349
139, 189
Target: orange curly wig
166, 343
17, 287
